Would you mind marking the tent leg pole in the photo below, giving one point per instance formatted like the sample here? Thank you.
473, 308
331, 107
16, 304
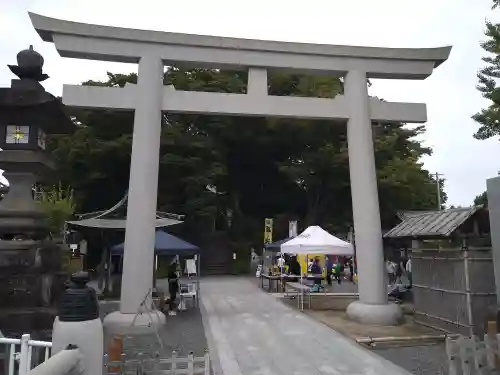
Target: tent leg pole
198, 265
154, 271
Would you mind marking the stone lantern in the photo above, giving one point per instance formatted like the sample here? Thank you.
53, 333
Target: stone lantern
30, 263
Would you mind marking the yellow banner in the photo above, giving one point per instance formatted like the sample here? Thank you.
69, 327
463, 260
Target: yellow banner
268, 231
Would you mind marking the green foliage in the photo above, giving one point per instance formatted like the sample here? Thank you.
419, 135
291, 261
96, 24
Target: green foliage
58, 205
281, 168
489, 118
481, 199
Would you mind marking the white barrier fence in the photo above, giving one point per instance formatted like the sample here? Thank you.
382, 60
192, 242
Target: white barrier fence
19, 353
471, 356
174, 365
31, 357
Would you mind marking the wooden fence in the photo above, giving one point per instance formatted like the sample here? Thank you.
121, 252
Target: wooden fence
453, 289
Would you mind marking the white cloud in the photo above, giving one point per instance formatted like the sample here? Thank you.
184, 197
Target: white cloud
450, 93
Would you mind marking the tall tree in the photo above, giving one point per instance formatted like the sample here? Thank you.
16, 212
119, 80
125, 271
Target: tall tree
481, 199
253, 167
489, 118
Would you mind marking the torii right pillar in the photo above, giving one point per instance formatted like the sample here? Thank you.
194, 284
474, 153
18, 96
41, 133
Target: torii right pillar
373, 306
493, 193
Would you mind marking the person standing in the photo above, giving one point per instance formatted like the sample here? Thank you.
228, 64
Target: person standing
408, 271
281, 263
338, 271
329, 269
391, 271
316, 270
295, 269
351, 270
173, 287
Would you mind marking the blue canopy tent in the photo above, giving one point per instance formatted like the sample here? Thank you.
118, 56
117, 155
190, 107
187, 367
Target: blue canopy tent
165, 244
276, 246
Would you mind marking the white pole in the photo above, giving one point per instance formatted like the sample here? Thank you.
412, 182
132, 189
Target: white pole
24, 358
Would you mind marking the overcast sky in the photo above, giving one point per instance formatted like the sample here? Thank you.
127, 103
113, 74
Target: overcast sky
450, 92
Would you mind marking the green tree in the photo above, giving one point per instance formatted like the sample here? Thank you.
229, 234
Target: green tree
58, 205
481, 199
489, 118
282, 168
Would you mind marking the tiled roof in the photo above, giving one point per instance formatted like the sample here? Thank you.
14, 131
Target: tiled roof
430, 223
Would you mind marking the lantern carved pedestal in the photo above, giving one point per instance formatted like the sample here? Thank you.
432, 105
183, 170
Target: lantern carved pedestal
31, 277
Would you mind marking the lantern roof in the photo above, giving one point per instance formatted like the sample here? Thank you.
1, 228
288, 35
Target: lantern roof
26, 102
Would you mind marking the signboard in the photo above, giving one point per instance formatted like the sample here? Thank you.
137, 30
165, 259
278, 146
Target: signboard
268, 231
83, 247
292, 229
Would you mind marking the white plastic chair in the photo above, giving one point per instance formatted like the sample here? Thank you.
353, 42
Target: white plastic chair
191, 293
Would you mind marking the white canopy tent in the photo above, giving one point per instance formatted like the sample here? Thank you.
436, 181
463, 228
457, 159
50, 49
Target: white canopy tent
316, 240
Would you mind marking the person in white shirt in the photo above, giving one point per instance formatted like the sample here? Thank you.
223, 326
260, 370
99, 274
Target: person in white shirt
309, 265
408, 271
281, 262
391, 271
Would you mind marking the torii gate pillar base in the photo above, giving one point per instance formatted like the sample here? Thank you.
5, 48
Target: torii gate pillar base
388, 314
118, 323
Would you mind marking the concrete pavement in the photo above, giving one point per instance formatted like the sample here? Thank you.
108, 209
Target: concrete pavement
251, 333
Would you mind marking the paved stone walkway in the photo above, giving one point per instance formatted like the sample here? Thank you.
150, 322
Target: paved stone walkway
251, 333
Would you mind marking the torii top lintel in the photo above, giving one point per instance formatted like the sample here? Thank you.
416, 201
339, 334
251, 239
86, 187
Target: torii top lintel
105, 43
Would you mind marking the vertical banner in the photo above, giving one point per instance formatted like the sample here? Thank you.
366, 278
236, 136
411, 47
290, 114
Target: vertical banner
268, 231
292, 229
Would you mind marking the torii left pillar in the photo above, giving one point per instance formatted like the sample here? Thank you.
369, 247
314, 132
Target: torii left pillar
138, 260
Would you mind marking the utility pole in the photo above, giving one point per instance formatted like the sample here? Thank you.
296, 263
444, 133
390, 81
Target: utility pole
438, 188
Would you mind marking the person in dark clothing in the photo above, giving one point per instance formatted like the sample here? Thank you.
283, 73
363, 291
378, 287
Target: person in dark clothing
329, 270
399, 271
294, 268
351, 270
173, 287
316, 270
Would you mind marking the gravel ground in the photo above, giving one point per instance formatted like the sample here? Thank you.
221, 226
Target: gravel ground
183, 333
421, 360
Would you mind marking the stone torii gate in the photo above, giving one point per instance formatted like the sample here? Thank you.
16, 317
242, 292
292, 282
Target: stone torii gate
153, 50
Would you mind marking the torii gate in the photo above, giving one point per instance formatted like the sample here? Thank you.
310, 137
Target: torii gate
153, 50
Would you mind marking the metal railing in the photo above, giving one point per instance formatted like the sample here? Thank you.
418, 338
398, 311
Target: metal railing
471, 356
19, 353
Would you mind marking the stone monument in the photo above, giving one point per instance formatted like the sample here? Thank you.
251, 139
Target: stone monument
31, 276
